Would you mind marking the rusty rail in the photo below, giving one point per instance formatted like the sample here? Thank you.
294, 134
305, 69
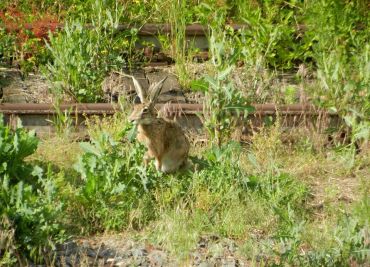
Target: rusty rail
190, 30
187, 109
143, 30
40, 117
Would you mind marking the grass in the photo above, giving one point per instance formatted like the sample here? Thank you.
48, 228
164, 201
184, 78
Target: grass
323, 175
269, 197
57, 150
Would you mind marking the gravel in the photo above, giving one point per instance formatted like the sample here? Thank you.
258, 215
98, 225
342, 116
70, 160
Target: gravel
118, 251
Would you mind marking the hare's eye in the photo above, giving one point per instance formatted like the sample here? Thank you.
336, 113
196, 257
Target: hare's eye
145, 109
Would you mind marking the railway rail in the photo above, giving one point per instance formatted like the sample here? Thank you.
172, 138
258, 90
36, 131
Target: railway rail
146, 29
42, 117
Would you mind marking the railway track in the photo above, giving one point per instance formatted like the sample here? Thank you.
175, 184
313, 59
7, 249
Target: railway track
148, 38
43, 117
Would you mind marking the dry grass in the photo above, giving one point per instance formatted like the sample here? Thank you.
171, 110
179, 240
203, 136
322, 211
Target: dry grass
57, 150
333, 176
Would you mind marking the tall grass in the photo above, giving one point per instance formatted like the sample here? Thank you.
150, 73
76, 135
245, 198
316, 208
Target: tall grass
341, 53
178, 15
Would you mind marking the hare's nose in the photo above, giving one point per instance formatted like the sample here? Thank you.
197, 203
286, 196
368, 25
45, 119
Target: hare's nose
133, 121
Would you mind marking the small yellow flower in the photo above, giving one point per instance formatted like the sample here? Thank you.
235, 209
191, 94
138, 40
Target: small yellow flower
31, 59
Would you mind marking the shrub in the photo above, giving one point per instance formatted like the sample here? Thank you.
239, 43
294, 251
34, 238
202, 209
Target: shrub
272, 37
344, 80
338, 32
80, 62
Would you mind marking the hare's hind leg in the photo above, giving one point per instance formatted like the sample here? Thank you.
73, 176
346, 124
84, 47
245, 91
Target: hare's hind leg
170, 164
186, 164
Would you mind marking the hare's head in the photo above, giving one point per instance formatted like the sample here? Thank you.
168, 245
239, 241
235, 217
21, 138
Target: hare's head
145, 113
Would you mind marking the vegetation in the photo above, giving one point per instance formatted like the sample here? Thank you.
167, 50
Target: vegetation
29, 205
82, 57
232, 191
284, 203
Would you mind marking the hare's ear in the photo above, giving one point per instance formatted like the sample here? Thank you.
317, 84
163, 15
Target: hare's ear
139, 90
155, 89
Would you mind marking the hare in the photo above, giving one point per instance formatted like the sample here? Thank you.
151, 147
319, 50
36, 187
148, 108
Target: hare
164, 139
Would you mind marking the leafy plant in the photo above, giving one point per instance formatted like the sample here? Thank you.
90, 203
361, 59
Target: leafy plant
62, 121
222, 99
14, 148
7, 47
28, 206
113, 181
221, 170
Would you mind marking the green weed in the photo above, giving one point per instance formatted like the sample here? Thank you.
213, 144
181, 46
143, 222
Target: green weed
222, 99
82, 56
112, 181
29, 207
7, 47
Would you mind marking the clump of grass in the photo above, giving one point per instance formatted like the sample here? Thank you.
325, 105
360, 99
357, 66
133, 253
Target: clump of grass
176, 233
115, 126
58, 151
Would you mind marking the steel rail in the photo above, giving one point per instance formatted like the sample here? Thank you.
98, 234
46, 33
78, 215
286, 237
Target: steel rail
143, 30
190, 30
186, 109
42, 118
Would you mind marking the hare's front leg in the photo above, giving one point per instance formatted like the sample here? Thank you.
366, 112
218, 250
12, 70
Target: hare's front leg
158, 164
147, 158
